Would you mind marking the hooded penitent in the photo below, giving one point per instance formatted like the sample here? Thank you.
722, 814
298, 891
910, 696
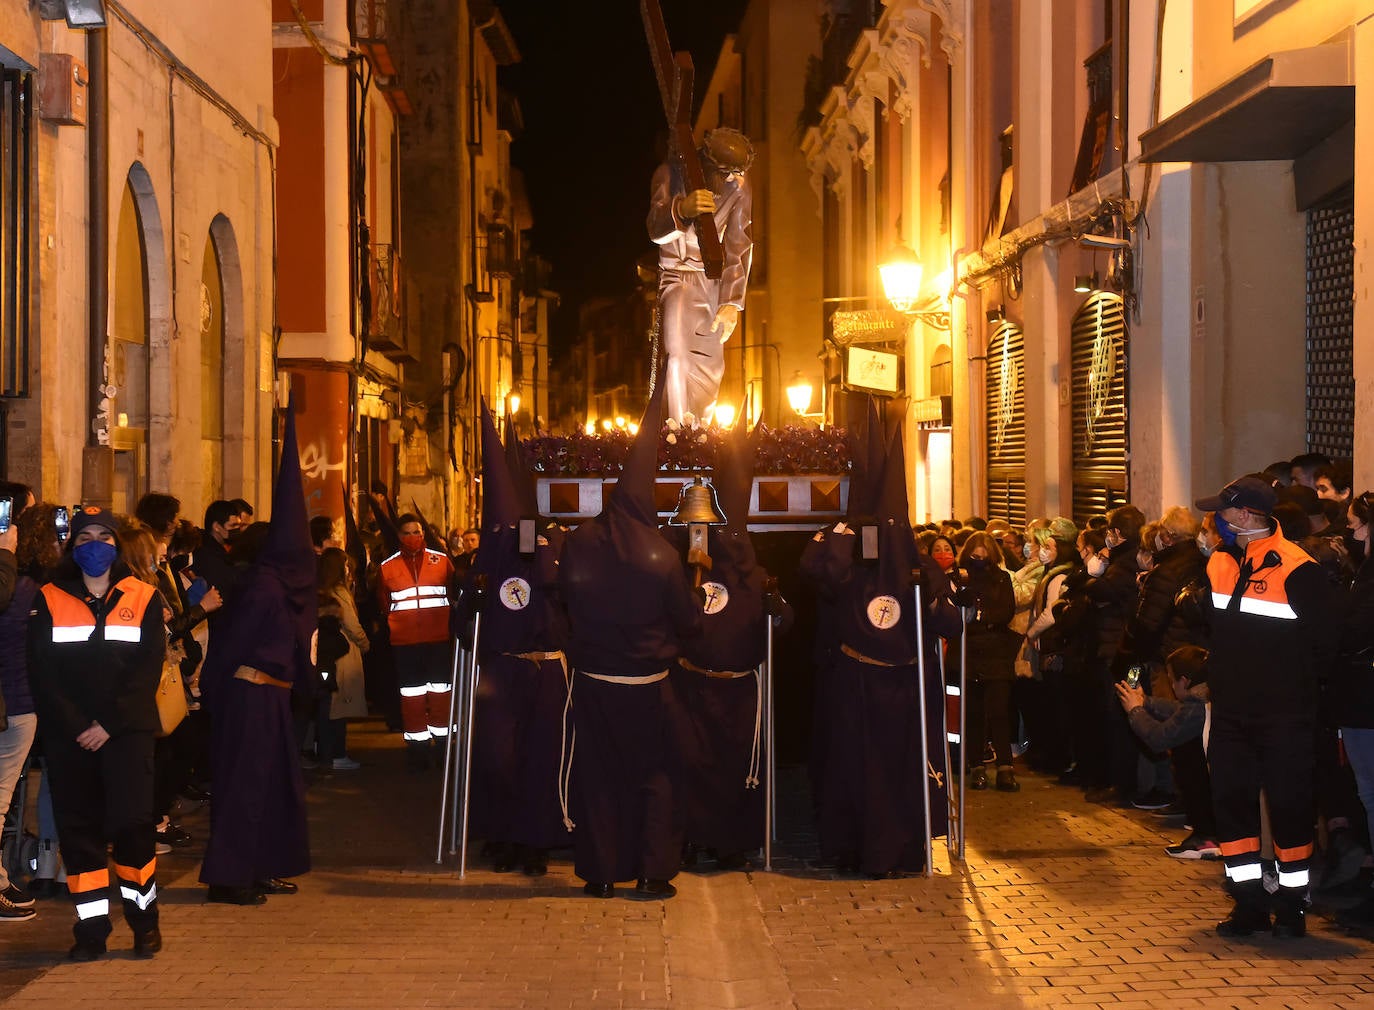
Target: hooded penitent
282, 580
733, 637
521, 613
627, 597
520, 471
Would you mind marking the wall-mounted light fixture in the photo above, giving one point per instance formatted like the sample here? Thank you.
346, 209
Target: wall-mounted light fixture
799, 393
996, 314
1084, 283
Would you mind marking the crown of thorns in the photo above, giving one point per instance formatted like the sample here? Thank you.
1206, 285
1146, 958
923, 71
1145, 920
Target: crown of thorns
728, 150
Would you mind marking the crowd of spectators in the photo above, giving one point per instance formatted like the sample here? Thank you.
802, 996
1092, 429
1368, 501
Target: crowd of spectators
1087, 648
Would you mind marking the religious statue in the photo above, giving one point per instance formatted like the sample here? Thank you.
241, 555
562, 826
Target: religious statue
699, 306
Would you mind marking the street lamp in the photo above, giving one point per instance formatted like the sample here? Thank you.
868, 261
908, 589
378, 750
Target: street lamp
724, 415
901, 275
799, 393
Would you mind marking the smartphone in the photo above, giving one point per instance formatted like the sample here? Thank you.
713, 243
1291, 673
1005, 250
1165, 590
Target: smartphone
1133, 676
869, 536
196, 591
6, 510
527, 536
63, 521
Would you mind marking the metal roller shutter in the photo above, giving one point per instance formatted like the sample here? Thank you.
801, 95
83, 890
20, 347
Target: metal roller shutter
1331, 328
1100, 431
1006, 425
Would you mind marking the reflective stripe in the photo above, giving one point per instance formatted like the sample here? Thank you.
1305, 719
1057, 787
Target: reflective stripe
1292, 878
439, 688
72, 633
1260, 608
404, 594
433, 590
392, 558
414, 692
952, 737
952, 690
405, 605
421, 736
141, 900
428, 604
123, 633
438, 731
91, 909
1248, 871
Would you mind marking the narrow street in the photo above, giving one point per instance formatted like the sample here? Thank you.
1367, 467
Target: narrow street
1060, 903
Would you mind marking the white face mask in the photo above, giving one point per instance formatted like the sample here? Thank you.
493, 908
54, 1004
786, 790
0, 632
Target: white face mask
1205, 546
1046, 555
1097, 564
1026, 551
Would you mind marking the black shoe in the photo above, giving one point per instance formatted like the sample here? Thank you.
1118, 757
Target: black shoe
275, 885
653, 890
1155, 799
1290, 924
887, 875
417, 755
1243, 922
595, 890
87, 950
18, 897
174, 836
978, 778
147, 944
1006, 781
236, 895
535, 862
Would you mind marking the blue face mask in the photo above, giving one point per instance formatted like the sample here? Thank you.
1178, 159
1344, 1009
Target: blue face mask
94, 557
1026, 550
1226, 531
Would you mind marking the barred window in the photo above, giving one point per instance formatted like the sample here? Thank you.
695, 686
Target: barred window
16, 133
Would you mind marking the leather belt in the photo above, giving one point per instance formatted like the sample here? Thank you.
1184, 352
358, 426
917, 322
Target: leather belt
652, 678
856, 654
258, 677
715, 674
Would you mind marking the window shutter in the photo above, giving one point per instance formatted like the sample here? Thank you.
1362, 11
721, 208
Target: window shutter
1006, 425
1100, 432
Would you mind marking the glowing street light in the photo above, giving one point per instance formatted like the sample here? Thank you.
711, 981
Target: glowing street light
725, 415
901, 276
799, 393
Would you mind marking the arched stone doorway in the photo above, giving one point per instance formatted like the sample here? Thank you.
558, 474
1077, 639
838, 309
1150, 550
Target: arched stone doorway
136, 366
222, 366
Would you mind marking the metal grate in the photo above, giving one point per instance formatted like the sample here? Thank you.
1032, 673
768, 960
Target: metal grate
16, 132
1331, 328
1100, 432
1006, 424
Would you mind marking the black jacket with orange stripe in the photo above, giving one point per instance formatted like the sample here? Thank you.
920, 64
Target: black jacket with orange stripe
110, 677
1268, 646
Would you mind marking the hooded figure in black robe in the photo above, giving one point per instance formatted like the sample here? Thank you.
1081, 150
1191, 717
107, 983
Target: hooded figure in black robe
519, 798
629, 604
261, 655
871, 815
717, 681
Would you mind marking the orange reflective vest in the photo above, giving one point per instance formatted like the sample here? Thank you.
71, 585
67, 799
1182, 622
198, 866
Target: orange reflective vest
73, 621
414, 592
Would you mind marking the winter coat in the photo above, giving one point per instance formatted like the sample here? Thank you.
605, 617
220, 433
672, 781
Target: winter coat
1158, 628
987, 598
1116, 595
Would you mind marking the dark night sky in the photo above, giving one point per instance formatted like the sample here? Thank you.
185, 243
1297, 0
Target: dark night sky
593, 125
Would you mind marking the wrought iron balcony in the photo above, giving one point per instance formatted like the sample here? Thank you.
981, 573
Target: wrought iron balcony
372, 33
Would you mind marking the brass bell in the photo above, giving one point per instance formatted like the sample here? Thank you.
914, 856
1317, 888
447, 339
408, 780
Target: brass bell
697, 504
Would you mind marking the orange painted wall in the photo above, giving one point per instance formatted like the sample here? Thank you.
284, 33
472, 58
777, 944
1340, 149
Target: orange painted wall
298, 96
322, 398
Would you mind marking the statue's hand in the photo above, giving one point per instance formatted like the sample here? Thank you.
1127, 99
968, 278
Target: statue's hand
727, 318
695, 203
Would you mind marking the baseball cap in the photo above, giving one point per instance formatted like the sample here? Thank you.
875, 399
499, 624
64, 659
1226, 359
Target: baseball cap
1243, 493
93, 515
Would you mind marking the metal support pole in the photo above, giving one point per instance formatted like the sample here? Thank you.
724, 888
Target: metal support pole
770, 799
460, 692
467, 745
963, 725
925, 734
454, 686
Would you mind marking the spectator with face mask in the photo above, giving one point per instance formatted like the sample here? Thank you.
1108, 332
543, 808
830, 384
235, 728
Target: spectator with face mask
1043, 694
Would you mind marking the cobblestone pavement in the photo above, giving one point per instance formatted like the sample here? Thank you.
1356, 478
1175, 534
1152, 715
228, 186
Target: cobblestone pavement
1059, 903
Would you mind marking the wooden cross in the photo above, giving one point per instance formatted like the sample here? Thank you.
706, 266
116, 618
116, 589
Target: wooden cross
675, 78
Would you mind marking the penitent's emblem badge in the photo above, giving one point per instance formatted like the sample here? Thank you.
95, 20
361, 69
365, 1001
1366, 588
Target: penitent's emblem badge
717, 596
884, 612
515, 594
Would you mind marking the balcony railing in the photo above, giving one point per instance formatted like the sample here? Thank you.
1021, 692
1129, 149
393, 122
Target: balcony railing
386, 325
372, 34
